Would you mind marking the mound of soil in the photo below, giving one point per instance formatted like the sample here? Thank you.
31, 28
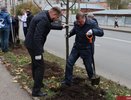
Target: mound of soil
80, 90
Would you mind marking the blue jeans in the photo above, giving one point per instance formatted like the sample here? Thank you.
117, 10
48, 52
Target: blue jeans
86, 56
5, 39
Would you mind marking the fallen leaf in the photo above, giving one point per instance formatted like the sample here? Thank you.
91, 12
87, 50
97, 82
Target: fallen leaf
15, 81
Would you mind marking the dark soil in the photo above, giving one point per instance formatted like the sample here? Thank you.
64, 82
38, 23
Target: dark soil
80, 90
51, 69
20, 50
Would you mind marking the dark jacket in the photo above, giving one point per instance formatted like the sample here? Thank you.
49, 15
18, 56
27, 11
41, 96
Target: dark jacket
29, 18
95, 20
81, 40
39, 28
15, 21
4, 15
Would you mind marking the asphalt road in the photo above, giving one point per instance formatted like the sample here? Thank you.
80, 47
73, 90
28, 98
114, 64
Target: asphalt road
112, 54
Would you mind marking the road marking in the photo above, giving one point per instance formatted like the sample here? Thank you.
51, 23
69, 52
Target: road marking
117, 39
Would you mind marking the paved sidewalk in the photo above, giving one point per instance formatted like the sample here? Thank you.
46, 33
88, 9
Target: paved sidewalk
120, 29
10, 90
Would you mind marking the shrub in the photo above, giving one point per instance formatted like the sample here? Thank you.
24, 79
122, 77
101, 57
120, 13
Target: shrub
24, 6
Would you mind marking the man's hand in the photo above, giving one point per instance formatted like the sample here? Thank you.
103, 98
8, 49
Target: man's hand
65, 25
89, 32
66, 36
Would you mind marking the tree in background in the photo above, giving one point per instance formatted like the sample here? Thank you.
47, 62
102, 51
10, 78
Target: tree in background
29, 5
124, 4
114, 4
118, 4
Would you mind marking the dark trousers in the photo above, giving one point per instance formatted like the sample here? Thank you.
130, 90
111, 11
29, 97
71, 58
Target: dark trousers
116, 24
37, 71
86, 56
25, 31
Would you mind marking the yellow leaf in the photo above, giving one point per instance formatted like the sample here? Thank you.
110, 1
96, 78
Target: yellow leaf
25, 87
53, 77
15, 81
18, 73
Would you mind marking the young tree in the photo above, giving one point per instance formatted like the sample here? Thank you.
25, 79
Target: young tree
114, 4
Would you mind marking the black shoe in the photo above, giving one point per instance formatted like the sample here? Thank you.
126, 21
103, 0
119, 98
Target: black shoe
43, 85
64, 83
39, 94
4, 51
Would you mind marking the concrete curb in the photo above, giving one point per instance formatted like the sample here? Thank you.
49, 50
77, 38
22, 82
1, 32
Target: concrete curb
119, 30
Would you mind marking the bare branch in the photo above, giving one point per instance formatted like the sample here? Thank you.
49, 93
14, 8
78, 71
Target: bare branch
52, 6
49, 3
64, 16
37, 5
64, 2
72, 4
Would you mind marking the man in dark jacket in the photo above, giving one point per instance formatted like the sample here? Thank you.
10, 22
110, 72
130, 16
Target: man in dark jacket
39, 28
83, 28
29, 18
4, 29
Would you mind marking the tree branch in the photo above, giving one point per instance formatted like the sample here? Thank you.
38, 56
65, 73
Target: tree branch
49, 3
72, 4
64, 2
37, 5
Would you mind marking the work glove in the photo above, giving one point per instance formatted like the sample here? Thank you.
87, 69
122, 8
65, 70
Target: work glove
89, 32
38, 57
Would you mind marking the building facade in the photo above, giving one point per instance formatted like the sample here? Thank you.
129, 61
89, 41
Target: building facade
107, 17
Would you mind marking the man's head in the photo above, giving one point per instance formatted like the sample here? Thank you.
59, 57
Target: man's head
80, 18
3, 9
54, 13
28, 12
